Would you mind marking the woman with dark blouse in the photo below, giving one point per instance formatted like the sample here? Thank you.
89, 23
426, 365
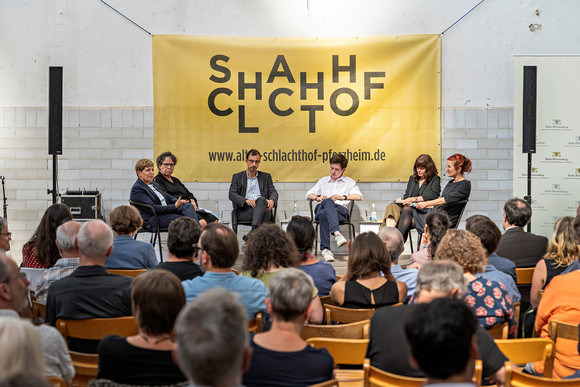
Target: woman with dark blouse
146, 358
166, 163
424, 184
456, 190
368, 282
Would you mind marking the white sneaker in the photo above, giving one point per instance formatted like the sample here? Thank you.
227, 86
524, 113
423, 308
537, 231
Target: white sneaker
327, 255
340, 240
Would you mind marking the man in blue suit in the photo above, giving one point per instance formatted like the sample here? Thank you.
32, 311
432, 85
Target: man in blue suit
146, 191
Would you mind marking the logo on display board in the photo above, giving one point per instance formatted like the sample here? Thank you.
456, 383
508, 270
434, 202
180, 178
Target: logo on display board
555, 190
556, 154
556, 124
534, 170
535, 174
573, 206
537, 206
573, 175
555, 186
574, 141
556, 158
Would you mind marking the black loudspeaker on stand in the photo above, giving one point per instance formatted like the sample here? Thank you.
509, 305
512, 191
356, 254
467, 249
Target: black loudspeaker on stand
54, 124
529, 123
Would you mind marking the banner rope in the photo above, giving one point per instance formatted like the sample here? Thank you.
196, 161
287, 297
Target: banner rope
102, 1
468, 12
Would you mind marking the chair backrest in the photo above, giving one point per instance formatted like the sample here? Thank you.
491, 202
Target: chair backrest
343, 351
517, 306
357, 330
516, 378
255, 325
524, 275
375, 377
55, 381
558, 329
38, 312
127, 272
499, 331
463, 204
149, 209
522, 351
326, 300
346, 315
97, 328
328, 383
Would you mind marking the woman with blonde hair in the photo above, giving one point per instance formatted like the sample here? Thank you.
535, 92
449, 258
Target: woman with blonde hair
562, 251
20, 349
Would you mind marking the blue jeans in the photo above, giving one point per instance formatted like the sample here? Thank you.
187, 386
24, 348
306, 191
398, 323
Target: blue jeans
329, 214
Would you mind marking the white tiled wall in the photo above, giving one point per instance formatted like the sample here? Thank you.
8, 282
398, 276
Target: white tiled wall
101, 145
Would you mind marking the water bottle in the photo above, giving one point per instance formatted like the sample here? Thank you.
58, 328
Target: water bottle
296, 212
216, 211
373, 213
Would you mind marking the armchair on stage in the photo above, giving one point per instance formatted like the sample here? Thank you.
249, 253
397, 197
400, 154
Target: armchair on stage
348, 221
236, 222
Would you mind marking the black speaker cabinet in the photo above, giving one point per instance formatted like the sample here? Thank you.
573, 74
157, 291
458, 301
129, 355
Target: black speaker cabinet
84, 207
55, 111
529, 110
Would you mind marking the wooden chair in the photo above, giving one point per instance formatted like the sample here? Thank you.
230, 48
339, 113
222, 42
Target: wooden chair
344, 352
348, 221
374, 377
338, 277
255, 325
234, 271
524, 275
562, 330
499, 331
55, 381
38, 312
516, 378
522, 351
357, 330
151, 227
517, 306
328, 383
326, 300
127, 272
346, 315
86, 365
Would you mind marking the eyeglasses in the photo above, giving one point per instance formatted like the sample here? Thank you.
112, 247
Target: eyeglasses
8, 234
196, 248
168, 165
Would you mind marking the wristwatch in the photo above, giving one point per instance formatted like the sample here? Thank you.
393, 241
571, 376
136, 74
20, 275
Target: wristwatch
344, 197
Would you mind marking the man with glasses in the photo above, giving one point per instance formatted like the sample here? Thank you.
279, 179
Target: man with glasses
5, 236
253, 193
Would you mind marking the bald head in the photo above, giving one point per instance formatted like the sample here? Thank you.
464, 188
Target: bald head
94, 242
66, 234
393, 240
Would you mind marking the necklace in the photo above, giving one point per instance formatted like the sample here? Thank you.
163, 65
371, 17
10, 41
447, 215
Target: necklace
167, 337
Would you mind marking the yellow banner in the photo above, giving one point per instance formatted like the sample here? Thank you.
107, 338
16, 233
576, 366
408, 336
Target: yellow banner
298, 101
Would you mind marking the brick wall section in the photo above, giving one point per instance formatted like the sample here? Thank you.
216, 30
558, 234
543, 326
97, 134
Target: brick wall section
101, 145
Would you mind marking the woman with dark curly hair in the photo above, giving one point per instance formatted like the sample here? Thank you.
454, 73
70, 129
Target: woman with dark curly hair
270, 250
127, 252
40, 251
489, 300
166, 163
302, 232
368, 282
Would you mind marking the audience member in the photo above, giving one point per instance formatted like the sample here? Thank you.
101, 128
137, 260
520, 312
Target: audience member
182, 238
66, 234
393, 240
252, 193
302, 232
500, 263
146, 191
268, 252
368, 282
20, 348
129, 253
13, 298
488, 299
212, 340
559, 302
436, 225
280, 356
489, 235
166, 163
334, 194
5, 236
90, 291
441, 335
218, 253
40, 251
388, 348
146, 358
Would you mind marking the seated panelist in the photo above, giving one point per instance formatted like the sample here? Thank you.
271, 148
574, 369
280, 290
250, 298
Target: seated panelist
146, 191
166, 163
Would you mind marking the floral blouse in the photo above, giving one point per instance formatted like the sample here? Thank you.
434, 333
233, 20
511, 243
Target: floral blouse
491, 303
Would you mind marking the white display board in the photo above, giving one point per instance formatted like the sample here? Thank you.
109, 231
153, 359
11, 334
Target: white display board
556, 163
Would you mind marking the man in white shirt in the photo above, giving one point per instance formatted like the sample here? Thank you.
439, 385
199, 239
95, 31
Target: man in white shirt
334, 193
